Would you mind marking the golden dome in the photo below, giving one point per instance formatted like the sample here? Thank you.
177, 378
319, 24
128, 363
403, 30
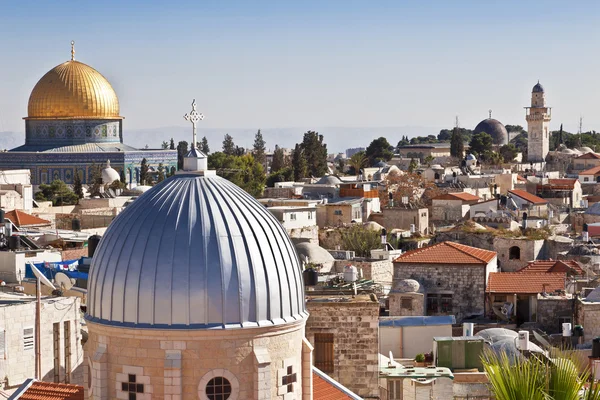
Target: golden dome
73, 90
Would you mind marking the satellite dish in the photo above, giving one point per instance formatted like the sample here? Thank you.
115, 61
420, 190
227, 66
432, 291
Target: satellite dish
41, 276
63, 281
541, 339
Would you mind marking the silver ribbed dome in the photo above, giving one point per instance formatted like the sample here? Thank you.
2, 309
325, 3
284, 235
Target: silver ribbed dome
195, 252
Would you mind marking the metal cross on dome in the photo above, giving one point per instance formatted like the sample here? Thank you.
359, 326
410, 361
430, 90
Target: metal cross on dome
194, 116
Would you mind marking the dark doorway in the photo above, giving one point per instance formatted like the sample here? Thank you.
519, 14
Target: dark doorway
522, 309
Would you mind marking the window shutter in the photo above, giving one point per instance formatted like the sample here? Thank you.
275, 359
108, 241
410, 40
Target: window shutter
28, 339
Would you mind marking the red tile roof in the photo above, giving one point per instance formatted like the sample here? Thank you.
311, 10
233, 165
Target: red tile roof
564, 183
447, 253
525, 283
457, 196
570, 267
323, 390
52, 391
588, 156
20, 218
591, 171
528, 196
521, 179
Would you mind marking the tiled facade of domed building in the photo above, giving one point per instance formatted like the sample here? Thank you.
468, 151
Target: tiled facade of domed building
73, 124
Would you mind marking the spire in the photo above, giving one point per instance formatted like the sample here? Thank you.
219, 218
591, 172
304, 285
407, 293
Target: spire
194, 160
72, 50
490, 113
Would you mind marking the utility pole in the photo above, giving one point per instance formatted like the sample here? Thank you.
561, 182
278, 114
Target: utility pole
38, 329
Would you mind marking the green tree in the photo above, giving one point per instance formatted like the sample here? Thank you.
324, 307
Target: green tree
299, 164
204, 146
244, 171
95, 180
508, 152
457, 145
285, 174
357, 162
77, 186
315, 152
258, 150
228, 145
379, 150
144, 172
429, 160
172, 144
182, 150
164, 145
413, 165
481, 144
161, 173
278, 159
117, 184
341, 164
58, 193
403, 142
361, 240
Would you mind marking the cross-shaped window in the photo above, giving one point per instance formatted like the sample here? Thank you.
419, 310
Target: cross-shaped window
289, 379
132, 387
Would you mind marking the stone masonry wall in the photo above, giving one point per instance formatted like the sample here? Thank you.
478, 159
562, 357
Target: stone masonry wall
589, 318
380, 271
549, 310
355, 327
530, 250
466, 283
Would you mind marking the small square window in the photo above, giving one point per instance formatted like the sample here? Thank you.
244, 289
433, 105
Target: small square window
290, 370
132, 396
131, 378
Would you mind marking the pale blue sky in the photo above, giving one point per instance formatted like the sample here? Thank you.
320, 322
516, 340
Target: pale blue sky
259, 64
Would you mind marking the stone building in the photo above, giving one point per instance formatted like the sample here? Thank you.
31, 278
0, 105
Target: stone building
73, 123
538, 126
452, 206
584, 162
516, 253
403, 217
453, 277
196, 290
61, 352
406, 299
345, 335
529, 203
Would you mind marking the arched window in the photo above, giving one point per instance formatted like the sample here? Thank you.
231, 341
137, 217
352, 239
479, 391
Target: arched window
514, 253
436, 176
218, 384
218, 388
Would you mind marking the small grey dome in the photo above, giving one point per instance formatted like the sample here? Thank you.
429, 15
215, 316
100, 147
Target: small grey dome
471, 157
586, 149
495, 129
407, 286
329, 180
538, 88
381, 164
313, 253
195, 252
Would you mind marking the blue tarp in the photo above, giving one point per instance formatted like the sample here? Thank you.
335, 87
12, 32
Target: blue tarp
50, 269
417, 321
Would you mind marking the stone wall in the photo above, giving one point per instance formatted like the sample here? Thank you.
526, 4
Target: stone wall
448, 210
400, 302
550, 309
355, 326
18, 362
178, 364
380, 271
74, 254
466, 284
530, 250
402, 218
307, 233
65, 221
589, 318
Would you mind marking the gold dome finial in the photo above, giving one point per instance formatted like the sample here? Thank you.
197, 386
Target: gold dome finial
72, 50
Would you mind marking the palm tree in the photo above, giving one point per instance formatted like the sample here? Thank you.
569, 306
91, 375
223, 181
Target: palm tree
537, 377
358, 161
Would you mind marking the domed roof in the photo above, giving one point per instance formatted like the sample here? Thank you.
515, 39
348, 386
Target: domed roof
568, 151
407, 286
586, 149
538, 88
381, 164
195, 252
329, 180
495, 129
73, 90
470, 157
313, 253
109, 175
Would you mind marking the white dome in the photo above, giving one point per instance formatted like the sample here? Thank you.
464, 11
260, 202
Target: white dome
109, 174
195, 252
313, 253
586, 149
407, 286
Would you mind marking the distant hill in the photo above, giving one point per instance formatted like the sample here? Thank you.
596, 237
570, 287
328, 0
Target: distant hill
338, 139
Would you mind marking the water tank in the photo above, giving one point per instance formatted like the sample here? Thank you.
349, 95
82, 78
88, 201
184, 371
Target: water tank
566, 329
585, 227
523, 341
93, 242
350, 273
468, 328
596, 347
76, 224
310, 276
14, 242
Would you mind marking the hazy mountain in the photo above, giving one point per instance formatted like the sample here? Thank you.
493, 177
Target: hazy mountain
338, 139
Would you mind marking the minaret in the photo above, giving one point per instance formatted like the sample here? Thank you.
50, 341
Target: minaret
538, 125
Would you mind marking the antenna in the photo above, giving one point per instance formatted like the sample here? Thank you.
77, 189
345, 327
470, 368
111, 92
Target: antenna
63, 281
42, 278
456, 125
